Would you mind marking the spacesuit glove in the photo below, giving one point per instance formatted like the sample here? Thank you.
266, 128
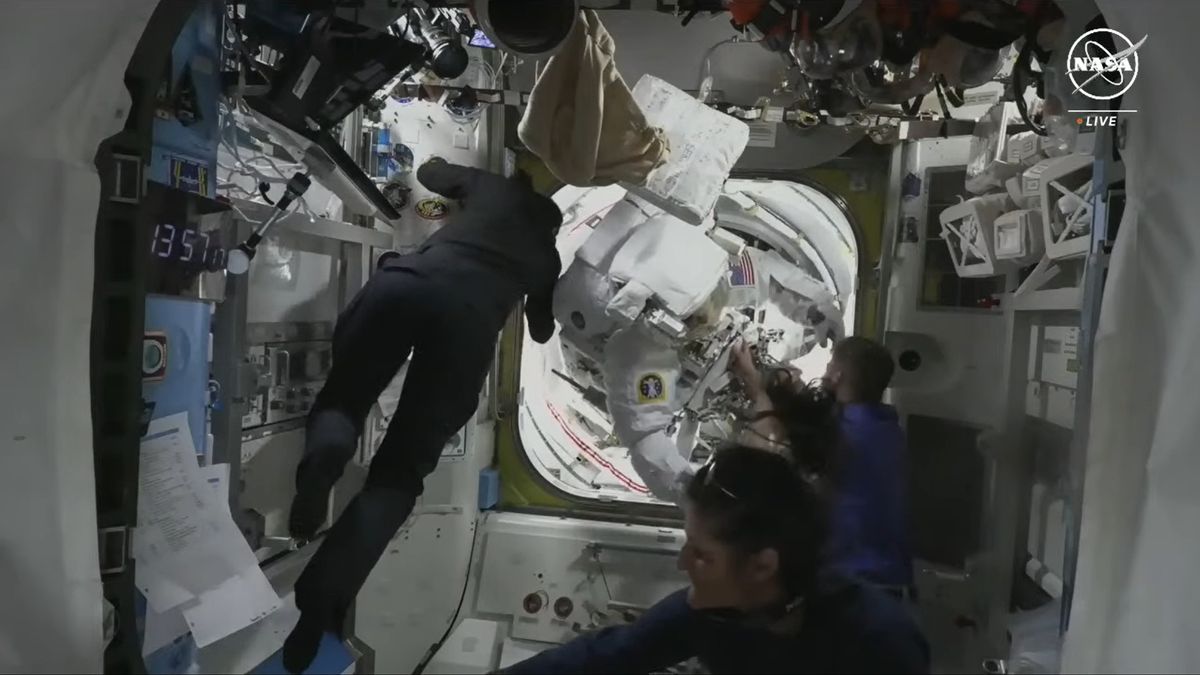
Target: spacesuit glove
826, 323
745, 371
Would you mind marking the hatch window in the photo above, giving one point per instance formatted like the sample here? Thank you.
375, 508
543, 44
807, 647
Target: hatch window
562, 420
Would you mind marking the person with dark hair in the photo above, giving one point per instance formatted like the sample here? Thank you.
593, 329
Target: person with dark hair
786, 415
760, 599
859, 371
870, 536
843, 431
446, 304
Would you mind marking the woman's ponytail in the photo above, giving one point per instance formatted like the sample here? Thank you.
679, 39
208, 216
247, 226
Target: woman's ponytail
808, 415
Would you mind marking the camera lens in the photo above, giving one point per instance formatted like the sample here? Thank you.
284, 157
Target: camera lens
529, 27
447, 57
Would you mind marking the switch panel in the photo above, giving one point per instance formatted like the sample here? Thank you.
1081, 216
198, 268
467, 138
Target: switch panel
298, 371
256, 380
284, 379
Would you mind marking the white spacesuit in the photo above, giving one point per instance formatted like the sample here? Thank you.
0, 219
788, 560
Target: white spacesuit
642, 373
760, 277
645, 285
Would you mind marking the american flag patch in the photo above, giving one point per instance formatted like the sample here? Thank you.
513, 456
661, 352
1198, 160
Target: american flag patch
741, 271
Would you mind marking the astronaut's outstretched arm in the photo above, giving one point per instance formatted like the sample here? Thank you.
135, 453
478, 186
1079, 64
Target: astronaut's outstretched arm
658, 463
640, 373
800, 297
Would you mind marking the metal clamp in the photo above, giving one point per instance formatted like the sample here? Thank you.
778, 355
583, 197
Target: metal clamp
113, 549
127, 179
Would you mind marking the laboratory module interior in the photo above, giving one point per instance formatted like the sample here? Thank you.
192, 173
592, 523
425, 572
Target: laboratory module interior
999, 192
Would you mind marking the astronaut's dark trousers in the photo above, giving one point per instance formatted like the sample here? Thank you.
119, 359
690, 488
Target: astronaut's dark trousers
452, 335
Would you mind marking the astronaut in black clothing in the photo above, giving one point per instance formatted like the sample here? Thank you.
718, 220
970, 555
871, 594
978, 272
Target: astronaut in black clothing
446, 304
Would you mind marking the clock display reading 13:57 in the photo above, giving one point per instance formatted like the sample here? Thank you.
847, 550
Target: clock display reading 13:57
187, 247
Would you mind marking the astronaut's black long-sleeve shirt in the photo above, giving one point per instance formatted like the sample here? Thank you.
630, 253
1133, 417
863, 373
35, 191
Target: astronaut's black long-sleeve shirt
498, 247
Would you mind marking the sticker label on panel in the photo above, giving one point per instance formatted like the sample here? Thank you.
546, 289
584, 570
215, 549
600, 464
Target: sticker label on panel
981, 98
189, 176
432, 208
762, 134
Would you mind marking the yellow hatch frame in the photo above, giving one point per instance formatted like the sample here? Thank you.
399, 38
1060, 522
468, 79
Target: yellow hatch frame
522, 488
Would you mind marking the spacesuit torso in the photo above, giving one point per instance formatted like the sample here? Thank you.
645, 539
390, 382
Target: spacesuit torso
624, 302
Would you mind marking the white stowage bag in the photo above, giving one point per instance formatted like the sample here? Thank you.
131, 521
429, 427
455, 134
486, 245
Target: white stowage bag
1136, 593
705, 145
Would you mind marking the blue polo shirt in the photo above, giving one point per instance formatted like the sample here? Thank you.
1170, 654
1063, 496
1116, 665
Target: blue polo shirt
848, 627
869, 537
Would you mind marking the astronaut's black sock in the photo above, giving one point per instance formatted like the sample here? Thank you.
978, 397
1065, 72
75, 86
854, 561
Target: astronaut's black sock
300, 648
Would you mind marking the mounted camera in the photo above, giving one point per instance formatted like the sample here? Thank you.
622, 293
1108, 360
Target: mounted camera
442, 32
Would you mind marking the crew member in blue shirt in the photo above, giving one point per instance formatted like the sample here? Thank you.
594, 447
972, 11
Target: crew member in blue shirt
866, 465
760, 599
870, 529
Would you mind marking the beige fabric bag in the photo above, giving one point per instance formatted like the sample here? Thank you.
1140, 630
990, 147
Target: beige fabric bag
581, 119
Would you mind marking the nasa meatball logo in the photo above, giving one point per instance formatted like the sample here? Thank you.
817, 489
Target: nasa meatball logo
432, 209
1096, 71
652, 389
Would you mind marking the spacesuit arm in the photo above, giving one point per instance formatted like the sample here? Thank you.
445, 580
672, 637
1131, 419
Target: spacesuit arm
801, 298
658, 462
452, 181
658, 639
641, 373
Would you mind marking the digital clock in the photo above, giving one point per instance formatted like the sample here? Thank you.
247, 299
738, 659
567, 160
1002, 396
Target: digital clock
188, 247
188, 259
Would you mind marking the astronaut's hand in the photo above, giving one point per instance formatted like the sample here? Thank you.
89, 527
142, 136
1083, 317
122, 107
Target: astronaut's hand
826, 323
743, 368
